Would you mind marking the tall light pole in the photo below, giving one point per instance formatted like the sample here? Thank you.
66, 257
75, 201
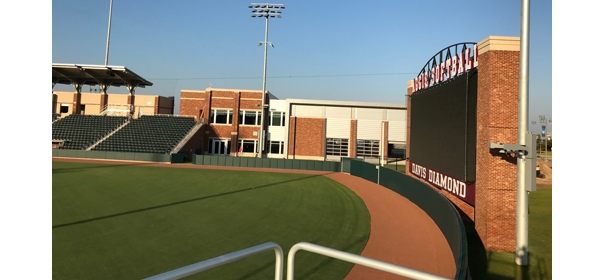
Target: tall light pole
533, 123
522, 227
267, 11
108, 33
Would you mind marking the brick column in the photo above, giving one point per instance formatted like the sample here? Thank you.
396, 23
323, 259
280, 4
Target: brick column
131, 102
352, 140
292, 138
157, 105
233, 148
54, 101
409, 89
76, 102
384, 142
497, 121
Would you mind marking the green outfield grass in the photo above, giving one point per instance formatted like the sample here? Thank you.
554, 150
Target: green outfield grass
397, 167
132, 222
501, 266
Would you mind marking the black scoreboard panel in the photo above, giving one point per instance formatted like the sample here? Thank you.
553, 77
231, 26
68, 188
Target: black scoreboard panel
443, 127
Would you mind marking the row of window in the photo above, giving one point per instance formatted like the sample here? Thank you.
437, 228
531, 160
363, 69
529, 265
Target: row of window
339, 147
335, 147
221, 146
245, 117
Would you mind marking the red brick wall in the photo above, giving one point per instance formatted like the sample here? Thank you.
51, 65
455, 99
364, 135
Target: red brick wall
307, 137
497, 121
192, 102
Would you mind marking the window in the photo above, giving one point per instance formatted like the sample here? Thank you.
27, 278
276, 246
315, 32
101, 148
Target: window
337, 147
221, 116
249, 117
367, 148
248, 146
275, 147
64, 108
277, 118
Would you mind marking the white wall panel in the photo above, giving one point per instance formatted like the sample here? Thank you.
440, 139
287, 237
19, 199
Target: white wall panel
307, 111
368, 129
338, 128
397, 131
338, 112
369, 114
277, 133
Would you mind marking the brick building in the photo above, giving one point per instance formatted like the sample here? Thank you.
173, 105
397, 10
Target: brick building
294, 128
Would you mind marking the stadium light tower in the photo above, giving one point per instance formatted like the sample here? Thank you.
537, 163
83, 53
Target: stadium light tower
108, 33
267, 11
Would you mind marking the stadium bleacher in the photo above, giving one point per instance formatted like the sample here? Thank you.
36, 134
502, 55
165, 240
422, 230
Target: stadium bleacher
55, 116
81, 131
148, 134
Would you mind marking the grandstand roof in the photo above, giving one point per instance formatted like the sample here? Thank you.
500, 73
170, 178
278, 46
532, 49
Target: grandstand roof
83, 74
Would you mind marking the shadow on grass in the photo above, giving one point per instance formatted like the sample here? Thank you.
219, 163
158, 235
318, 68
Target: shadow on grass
183, 201
480, 260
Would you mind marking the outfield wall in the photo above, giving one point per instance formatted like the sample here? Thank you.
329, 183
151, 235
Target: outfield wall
175, 158
266, 163
430, 200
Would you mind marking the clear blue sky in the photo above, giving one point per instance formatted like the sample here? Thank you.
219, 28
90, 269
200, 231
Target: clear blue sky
337, 50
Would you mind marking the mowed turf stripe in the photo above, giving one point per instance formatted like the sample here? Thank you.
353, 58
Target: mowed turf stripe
128, 222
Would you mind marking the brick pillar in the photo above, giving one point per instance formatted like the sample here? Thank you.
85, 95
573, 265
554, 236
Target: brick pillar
352, 141
323, 152
103, 101
233, 148
157, 104
497, 121
131, 103
207, 106
54, 101
384, 142
76, 99
292, 138
409, 89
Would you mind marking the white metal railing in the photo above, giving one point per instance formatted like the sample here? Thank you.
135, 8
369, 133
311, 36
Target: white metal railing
345, 256
317, 249
224, 259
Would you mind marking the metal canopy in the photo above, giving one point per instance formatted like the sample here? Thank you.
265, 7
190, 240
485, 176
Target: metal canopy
104, 76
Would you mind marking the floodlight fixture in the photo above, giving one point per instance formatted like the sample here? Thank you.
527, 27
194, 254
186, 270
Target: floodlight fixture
267, 11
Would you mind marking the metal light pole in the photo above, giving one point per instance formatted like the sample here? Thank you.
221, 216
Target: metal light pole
533, 123
522, 227
108, 34
265, 10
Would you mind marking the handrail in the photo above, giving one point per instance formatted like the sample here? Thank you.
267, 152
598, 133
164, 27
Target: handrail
341, 255
224, 259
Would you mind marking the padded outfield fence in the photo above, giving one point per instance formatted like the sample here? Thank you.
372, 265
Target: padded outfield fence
253, 162
174, 158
